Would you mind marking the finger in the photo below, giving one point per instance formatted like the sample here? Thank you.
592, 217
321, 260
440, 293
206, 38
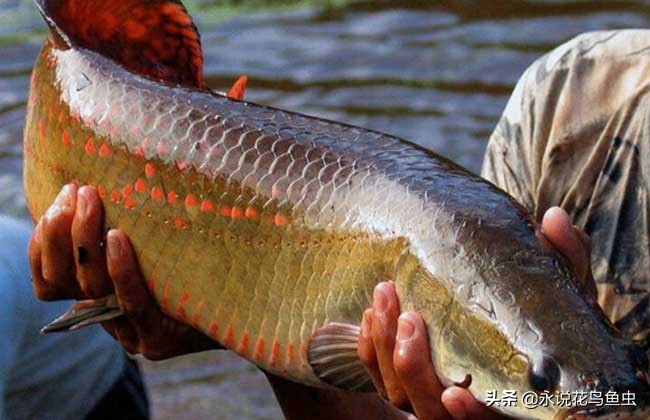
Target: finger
461, 405
109, 327
132, 296
122, 330
415, 370
57, 264
41, 288
367, 353
87, 233
384, 328
34, 254
557, 228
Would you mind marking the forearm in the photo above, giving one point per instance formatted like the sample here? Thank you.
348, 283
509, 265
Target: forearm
303, 402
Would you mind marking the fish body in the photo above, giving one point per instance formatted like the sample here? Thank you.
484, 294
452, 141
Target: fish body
267, 230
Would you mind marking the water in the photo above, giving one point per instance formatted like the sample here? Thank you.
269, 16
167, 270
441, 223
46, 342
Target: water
438, 73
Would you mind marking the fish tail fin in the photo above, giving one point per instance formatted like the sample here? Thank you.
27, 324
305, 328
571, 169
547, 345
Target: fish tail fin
84, 313
334, 358
153, 38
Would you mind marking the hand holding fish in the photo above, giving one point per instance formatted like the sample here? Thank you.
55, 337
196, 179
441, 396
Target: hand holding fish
393, 345
68, 261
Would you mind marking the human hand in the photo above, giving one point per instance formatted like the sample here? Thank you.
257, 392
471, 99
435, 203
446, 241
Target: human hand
572, 243
68, 261
394, 346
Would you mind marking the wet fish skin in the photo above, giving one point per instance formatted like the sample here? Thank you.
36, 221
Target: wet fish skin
259, 226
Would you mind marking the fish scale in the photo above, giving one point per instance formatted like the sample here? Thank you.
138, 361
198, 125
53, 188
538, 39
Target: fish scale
267, 230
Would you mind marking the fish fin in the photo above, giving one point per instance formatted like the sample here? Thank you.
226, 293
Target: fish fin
333, 357
238, 88
153, 38
84, 313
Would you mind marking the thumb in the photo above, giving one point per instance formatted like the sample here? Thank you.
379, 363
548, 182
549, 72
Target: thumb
573, 244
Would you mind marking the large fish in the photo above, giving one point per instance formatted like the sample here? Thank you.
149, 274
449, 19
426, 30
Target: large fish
267, 229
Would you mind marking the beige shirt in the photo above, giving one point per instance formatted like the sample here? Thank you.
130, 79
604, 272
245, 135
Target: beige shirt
576, 133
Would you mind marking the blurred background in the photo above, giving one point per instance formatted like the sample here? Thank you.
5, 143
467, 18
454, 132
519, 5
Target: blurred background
436, 72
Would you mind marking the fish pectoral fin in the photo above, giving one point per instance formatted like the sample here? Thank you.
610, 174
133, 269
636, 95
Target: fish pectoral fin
238, 88
84, 313
333, 356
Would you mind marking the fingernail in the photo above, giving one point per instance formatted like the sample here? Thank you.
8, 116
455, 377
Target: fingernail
64, 195
379, 299
365, 325
405, 328
114, 245
61, 201
82, 204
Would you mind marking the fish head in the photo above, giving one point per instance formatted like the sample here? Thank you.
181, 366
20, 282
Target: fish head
574, 354
524, 328
614, 387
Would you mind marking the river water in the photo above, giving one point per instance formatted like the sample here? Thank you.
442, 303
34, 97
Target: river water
436, 72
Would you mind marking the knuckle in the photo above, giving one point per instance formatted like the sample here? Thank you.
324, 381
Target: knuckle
94, 211
42, 293
366, 357
33, 249
55, 275
56, 234
45, 293
398, 398
383, 340
50, 225
126, 339
132, 310
56, 218
405, 366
